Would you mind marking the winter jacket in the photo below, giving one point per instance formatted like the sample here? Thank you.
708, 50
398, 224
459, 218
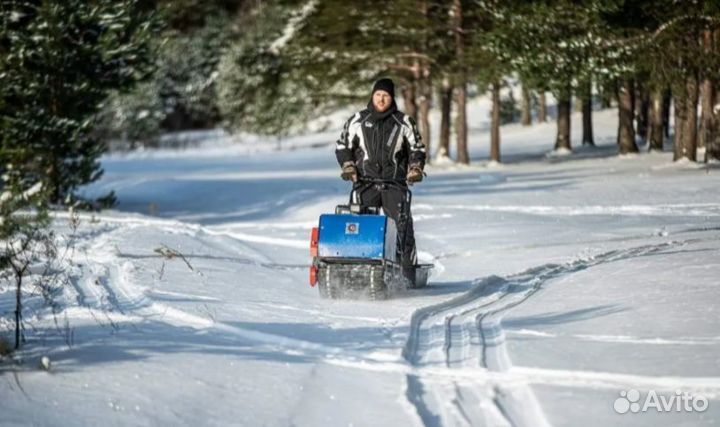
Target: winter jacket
381, 145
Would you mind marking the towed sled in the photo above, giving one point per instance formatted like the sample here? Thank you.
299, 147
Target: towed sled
356, 251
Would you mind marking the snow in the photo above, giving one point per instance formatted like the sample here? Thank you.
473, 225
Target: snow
5, 197
559, 282
292, 27
559, 152
33, 190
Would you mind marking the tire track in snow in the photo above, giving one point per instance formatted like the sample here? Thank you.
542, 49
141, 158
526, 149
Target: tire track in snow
456, 344
473, 391
216, 233
89, 285
111, 282
682, 210
466, 332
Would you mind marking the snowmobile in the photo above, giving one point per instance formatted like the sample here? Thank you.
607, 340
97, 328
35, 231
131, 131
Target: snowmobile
356, 252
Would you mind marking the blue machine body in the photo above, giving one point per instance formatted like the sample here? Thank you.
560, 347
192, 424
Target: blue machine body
357, 236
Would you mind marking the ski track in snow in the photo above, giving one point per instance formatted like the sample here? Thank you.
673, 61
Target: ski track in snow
624, 339
131, 302
689, 210
466, 333
455, 361
460, 344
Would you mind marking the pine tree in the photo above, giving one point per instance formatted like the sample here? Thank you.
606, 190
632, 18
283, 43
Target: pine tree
660, 46
586, 99
553, 46
258, 88
459, 24
342, 47
525, 117
23, 222
186, 74
23, 195
477, 58
626, 111
181, 94
495, 123
328, 53
445, 95
61, 61
486, 60
710, 127
58, 62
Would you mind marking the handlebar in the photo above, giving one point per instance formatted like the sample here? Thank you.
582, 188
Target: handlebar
399, 184
363, 184
380, 180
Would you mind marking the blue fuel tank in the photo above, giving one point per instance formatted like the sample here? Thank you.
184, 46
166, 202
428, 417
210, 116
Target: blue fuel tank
357, 236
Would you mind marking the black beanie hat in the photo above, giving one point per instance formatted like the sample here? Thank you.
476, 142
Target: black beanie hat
384, 84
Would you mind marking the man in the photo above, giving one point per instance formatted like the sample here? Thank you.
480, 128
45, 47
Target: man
381, 142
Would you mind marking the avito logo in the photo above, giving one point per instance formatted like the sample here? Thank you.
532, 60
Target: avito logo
680, 401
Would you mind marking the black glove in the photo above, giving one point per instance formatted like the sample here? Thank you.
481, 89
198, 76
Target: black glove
349, 172
415, 174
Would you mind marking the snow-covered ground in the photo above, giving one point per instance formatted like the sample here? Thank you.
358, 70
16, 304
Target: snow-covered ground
559, 283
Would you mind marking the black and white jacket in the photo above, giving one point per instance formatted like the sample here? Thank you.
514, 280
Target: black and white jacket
381, 145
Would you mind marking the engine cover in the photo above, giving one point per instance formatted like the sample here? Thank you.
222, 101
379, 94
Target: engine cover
357, 236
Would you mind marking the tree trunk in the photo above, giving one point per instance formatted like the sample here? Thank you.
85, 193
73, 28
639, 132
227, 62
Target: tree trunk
495, 123
708, 98
461, 124
643, 111
587, 137
656, 135
446, 93
564, 105
667, 103
712, 148
626, 112
706, 118
409, 95
542, 107
691, 120
18, 307
425, 94
679, 99
712, 143
606, 95
525, 117
587, 133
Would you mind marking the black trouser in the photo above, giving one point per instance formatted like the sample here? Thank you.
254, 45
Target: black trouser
396, 204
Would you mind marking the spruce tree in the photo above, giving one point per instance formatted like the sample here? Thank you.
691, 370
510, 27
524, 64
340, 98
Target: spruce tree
659, 43
553, 46
258, 88
60, 61
295, 59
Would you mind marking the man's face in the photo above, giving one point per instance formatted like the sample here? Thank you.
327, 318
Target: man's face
381, 100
